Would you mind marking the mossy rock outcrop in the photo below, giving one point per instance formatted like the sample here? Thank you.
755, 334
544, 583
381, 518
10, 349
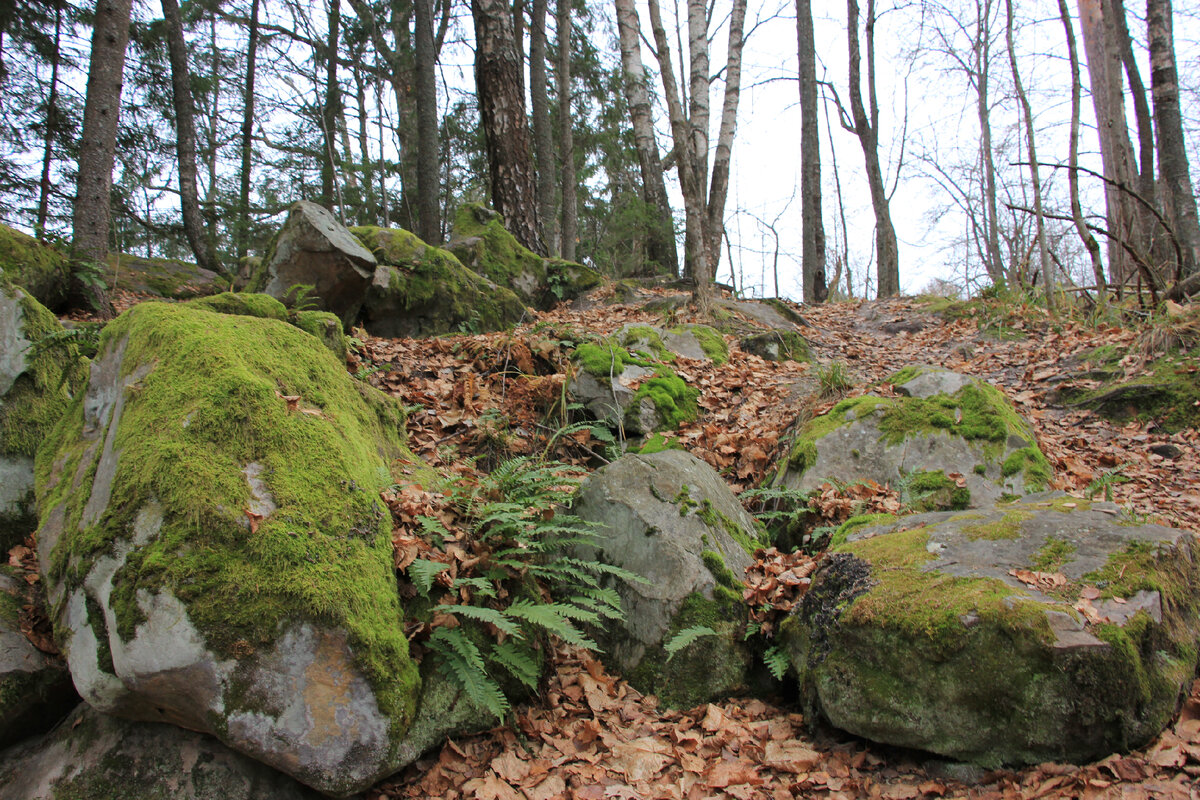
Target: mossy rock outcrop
214, 548
419, 290
170, 278
627, 380
480, 241
41, 269
323, 324
1047, 629
35, 688
40, 369
943, 430
93, 756
777, 345
670, 517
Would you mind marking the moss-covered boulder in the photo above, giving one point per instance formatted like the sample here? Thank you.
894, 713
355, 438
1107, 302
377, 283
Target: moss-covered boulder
93, 756
941, 430
777, 345
163, 277
35, 688
699, 342
1047, 629
322, 324
419, 290
42, 270
315, 259
670, 517
40, 369
480, 241
632, 387
215, 549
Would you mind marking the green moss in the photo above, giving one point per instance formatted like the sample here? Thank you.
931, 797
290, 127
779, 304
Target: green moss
714, 518
1007, 527
1054, 554
55, 370
1165, 391
933, 491
711, 342
246, 304
975, 412
164, 277
212, 398
716, 566
803, 453
674, 400
656, 443
684, 501
854, 523
778, 346
1132, 570
645, 339
1032, 464
326, 327
40, 269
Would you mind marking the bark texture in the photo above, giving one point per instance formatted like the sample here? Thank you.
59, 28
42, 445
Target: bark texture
812, 226
566, 136
243, 222
429, 223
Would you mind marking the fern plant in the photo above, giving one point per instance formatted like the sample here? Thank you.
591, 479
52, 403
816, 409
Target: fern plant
521, 584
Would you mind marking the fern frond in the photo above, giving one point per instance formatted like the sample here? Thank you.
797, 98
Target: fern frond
422, 573
482, 586
483, 614
548, 618
465, 665
517, 661
777, 661
577, 613
686, 637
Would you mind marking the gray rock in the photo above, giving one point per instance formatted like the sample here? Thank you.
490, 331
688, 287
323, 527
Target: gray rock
215, 553
943, 422
920, 633
314, 249
35, 688
94, 755
610, 399
671, 518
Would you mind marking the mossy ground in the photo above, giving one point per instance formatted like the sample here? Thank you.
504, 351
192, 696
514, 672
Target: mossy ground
213, 397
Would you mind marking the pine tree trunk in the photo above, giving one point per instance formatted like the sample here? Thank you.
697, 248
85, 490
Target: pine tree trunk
499, 86
543, 134
185, 138
243, 222
660, 240
570, 203
52, 123
330, 109
1172, 154
812, 226
428, 188
97, 148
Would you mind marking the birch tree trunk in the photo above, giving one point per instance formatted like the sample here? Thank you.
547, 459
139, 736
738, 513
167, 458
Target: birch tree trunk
97, 148
812, 226
185, 137
660, 241
718, 188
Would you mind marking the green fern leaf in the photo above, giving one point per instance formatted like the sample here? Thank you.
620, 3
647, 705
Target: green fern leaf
517, 661
777, 661
686, 637
548, 618
422, 573
465, 666
483, 614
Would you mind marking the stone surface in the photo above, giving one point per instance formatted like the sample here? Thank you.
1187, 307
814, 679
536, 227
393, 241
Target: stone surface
92, 755
671, 518
164, 277
921, 632
214, 549
35, 688
940, 422
419, 290
314, 249
40, 269
777, 345
36, 385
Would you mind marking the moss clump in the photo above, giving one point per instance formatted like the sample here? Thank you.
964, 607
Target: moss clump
1132, 570
482, 243
605, 359
684, 501
722, 574
246, 304
933, 491
42, 270
209, 386
325, 326
711, 342
1165, 391
1033, 466
1007, 527
714, 518
656, 443
429, 292
804, 450
778, 346
646, 340
1054, 554
855, 523
674, 400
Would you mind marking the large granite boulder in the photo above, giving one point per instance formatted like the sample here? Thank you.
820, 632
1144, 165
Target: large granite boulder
42, 270
951, 439
313, 249
35, 687
670, 518
215, 550
480, 241
1046, 629
419, 290
40, 368
96, 756
164, 277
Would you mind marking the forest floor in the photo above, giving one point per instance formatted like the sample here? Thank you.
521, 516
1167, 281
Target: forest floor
475, 400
